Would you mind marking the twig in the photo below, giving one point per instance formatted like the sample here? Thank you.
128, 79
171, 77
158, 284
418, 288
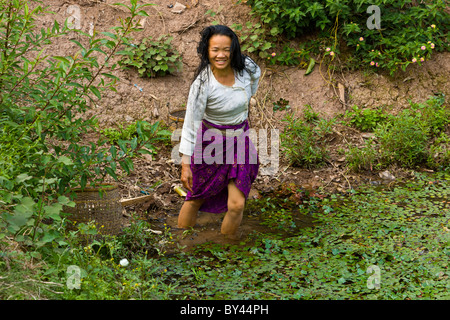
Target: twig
45, 282
262, 111
162, 19
342, 174
264, 101
287, 77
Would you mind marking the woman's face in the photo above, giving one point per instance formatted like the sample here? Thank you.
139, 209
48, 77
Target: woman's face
219, 52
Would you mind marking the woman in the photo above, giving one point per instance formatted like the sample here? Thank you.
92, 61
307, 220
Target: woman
218, 100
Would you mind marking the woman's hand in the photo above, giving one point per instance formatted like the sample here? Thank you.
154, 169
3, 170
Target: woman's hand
186, 173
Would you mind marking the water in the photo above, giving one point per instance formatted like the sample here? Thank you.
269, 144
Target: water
207, 229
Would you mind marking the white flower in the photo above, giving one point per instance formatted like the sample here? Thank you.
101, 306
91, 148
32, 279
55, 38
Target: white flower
124, 262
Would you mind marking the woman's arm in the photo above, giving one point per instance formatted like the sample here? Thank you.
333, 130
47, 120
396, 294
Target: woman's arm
186, 173
195, 109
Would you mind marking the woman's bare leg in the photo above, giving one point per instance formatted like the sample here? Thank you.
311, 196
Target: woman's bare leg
188, 213
233, 217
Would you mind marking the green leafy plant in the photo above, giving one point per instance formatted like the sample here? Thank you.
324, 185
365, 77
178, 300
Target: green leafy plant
103, 272
362, 158
309, 114
409, 32
393, 228
290, 56
152, 58
281, 105
435, 112
42, 154
404, 140
129, 132
279, 219
365, 119
305, 143
256, 38
439, 152
291, 17
416, 136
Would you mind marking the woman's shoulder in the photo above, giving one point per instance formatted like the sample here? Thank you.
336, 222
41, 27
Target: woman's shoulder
250, 64
202, 77
251, 69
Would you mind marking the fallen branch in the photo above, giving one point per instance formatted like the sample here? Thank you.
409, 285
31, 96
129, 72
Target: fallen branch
129, 202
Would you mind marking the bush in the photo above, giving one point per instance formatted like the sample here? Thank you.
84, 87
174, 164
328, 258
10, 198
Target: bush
409, 33
255, 38
365, 119
134, 130
152, 58
303, 142
414, 137
291, 17
43, 99
406, 138
434, 112
363, 158
439, 152
102, 275
403, 141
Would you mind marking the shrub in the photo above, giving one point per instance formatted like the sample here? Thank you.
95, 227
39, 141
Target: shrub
363, 158
255, 38
304, 143
102, 275
309, 114
365, 119
43, 99
134, 130
404, 140
434, 112
152, 58
439, 152
292, 17
409, 33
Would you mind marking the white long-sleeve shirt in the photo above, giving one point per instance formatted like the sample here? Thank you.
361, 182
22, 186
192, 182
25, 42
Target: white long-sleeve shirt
217, 103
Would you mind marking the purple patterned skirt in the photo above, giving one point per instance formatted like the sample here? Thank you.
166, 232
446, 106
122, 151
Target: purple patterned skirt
222, 153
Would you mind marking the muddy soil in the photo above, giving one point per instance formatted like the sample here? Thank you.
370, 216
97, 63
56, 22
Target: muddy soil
160, 96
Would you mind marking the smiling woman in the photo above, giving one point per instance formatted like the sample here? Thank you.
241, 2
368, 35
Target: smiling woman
218, 99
